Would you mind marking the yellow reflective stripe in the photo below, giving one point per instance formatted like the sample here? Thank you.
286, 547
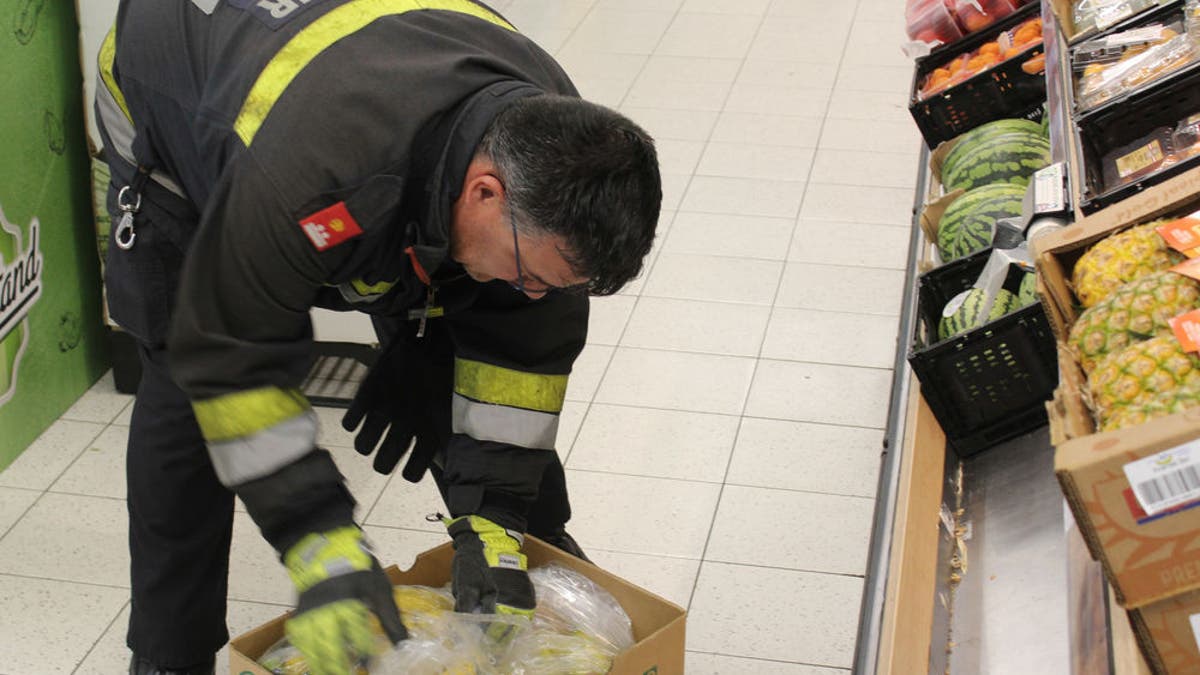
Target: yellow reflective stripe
245, 413
319, 36
502, 386
364, 290
107, 57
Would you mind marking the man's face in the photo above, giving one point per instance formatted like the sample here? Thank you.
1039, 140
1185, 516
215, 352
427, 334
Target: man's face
482, 241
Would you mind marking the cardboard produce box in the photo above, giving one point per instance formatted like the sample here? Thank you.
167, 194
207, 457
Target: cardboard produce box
658, 625
1168, 632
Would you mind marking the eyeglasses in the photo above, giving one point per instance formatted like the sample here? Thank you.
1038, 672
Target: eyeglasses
520, 284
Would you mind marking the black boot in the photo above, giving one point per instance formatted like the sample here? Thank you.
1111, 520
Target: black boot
140, 666
564, 542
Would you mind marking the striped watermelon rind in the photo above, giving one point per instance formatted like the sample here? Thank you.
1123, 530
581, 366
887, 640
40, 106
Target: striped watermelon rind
1027, 293
982, 133
964, 312
1004, 158
969, 221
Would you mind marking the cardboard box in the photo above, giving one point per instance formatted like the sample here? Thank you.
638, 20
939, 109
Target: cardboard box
1168, 632
658, 625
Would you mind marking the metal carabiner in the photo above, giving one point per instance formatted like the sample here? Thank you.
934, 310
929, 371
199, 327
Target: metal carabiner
125, 234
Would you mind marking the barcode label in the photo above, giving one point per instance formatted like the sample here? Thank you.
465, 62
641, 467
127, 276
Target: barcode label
1166, 479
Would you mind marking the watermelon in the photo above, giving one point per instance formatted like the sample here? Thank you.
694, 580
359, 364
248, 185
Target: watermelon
964, 312
982, 133
969, 221
1004, 158
1027, 294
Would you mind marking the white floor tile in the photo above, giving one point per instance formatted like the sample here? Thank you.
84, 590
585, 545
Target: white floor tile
744, 196
401, 547
548, 38
804, 335
675, 156
14, 502
660, 123
729, 235
848, 203
840, 14
109, 655
255, 572
805, 456
674, 186
748, 7
717, 664
760, 98
670, 578
330, 432
100, 469
813, 392
655, 443
717, 278
833, 288
527, 15
722, 36
125, 417
405, 505
697, 326
871, 136
854, 167
780, 44
795, 530
46, 458
876, 43
788, 74
605, 91
851, 244
587, 372
633, 514
676, 381
621, 31
607, 318
644, 5
737, 160
775, 614
896, 81
364, 482
100, 403
708, 67
48, 626
868, 105
704, 96
70, 538
569, 421
767, 129
586, 64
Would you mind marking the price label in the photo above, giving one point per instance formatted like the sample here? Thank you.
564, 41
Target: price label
1146, 156
1166, 479
1187, 330
1183, 234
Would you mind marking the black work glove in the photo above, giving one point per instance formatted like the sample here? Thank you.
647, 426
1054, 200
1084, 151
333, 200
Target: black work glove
406, 396
489, 574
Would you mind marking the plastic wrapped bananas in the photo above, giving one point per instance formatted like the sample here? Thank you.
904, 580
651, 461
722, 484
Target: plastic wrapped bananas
578, 628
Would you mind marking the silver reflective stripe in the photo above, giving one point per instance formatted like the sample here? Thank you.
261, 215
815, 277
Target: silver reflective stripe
351, 295
262, 454
120, 132
502, 424
206, 6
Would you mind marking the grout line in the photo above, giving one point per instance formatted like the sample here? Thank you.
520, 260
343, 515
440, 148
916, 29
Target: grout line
100, 637
759, 357
738, 415
779, 661
699, 481
65, 581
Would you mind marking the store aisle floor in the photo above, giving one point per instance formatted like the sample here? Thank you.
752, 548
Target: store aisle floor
723, 429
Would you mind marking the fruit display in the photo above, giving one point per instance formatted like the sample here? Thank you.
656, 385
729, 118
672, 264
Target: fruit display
1114, 65
1119, 259
1003, 151
1160, 405
1027, 294
1139, 310
1138, 373
1093, 15
1014, 43
944, 21
969, 310
969, 222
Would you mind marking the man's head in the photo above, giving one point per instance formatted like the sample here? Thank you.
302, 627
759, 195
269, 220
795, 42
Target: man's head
580, 185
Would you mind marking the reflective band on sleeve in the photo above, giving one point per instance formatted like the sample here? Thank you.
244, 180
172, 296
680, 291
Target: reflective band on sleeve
245, 413
358, 291
493, 384
318, 36
106, 58
502, 424
245, 459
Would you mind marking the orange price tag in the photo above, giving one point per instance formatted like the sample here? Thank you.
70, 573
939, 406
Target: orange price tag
1188, 268
1183, 235
1187, 330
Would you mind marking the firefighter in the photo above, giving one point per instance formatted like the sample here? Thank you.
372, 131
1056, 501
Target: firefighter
420, 161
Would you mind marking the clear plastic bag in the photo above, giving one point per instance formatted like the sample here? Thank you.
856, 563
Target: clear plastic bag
1133, 72
1093, 15
570, 603
541, 652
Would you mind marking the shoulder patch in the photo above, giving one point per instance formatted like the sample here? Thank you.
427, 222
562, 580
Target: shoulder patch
330, 226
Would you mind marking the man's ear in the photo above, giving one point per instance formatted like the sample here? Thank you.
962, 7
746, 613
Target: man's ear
482, 184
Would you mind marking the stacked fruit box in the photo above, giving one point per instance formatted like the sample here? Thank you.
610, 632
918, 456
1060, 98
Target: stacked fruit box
1125, 419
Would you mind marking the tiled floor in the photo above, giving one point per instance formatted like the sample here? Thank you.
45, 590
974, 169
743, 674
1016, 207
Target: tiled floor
723, 428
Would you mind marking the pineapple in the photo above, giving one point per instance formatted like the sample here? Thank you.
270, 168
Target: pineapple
1121, 258
1160, 405
1138, 372
1136, 311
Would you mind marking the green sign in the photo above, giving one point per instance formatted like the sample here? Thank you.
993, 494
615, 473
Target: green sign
51, 337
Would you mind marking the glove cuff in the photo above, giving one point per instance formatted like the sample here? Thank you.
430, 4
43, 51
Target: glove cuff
321, 556
501, 548
304, 497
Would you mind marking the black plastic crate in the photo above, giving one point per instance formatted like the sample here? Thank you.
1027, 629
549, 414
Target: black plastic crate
990, 384
1125, 120
1003, 91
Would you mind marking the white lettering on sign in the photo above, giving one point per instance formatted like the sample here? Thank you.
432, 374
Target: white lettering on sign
317, 235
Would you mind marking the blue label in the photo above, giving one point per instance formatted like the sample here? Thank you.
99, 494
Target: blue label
274, 13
